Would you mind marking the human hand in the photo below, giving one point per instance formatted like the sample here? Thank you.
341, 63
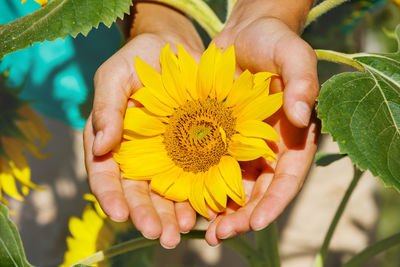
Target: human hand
267, 43
115, 81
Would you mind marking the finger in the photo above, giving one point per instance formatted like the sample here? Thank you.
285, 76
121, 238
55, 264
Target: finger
185, 215
104, 179
279, 49
142, 212
113, 86
115, 81
290, 173
236, 219
170, 236
238, 222
298, 64
211, 233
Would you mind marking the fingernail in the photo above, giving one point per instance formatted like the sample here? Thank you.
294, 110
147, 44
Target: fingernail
217, 245
229, 235
150, 238
97, 140
258, 228
167, 247
302, 112
118, 217
184, 232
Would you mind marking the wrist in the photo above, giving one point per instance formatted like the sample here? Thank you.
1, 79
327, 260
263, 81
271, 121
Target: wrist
167, 23
292, 12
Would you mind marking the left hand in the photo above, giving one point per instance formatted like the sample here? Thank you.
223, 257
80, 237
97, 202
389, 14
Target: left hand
271, 44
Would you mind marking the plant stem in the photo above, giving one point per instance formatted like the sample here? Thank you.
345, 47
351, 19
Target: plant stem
373, 250
321, 9
320, 258
243, 246
267, 244
199, 11
338, 57
240, 244
131, 245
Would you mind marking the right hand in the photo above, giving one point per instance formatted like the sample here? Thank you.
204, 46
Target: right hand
115, 81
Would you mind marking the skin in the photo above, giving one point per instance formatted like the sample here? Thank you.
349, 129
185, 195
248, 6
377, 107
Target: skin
115, 81
276, 47
269, 188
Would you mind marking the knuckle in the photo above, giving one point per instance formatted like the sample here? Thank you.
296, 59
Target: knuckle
290, 179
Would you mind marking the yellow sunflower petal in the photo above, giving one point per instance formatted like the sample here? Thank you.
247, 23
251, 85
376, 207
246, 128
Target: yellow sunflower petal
206, 72
32, 126
18, 165
97, 207
216, 187
33, 149
241, 87
151, 79
137, 165
171, 76
9, 186
41, 2
247, 148
196, 195
161, 182
262, 81
179, 191
231, 173
225, 73
260, 108
211, 202
255, 128
188, 67
151, 103
23, 175
141, 122
138, 145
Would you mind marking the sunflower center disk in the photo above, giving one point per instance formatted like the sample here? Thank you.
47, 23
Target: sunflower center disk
198, 134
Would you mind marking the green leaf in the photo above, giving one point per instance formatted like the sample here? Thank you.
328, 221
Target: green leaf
60, 18
362, 113
11, 249
324, 159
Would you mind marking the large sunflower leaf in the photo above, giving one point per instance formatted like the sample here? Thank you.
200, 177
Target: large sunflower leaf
362, 113
60, 18
11, 249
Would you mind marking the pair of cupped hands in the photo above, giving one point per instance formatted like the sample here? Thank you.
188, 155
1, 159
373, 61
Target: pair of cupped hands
261, 44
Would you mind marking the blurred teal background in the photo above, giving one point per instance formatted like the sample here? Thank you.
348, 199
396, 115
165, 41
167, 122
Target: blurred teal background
58, 75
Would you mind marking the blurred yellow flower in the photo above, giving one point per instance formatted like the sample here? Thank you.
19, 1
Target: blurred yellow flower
40, 2
19, 133
196, 124
94, 232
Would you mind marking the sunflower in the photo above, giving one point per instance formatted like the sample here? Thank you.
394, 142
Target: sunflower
95, 232
196, 123
86, 239
20, 128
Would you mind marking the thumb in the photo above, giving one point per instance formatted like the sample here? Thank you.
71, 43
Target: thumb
298, 64
113, 86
